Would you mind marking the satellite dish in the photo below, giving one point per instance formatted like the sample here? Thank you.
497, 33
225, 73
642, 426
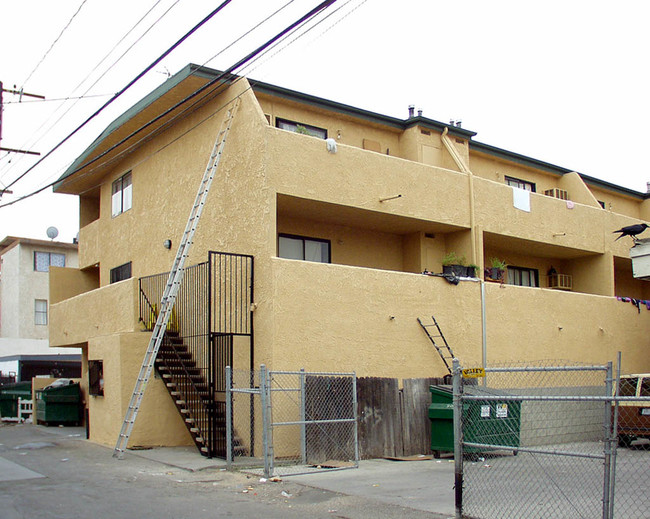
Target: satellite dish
52, 232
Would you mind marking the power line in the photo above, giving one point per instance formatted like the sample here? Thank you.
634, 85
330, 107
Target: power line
55, 42
228, 74
218, 80
125, 88
67, 98
34, 141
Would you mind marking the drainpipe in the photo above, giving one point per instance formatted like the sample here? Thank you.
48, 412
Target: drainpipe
483, 331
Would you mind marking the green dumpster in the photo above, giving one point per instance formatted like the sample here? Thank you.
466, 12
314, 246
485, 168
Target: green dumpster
59, 403
9, 395
441, 414
488, 422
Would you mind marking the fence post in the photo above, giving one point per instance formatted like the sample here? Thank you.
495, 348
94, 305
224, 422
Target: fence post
614, 436
264, 400
607, 442
229, 449
355, 410
303, 417
458, 437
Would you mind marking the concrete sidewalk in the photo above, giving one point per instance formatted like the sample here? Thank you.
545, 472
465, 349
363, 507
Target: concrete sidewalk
421, 486
425, 485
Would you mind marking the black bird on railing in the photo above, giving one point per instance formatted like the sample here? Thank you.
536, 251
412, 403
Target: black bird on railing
632, 230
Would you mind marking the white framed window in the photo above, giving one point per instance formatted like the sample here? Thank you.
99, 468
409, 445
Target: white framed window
302, 248
40, 312
121, 195
43, 260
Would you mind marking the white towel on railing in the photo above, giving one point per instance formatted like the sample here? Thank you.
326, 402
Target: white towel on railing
521, 199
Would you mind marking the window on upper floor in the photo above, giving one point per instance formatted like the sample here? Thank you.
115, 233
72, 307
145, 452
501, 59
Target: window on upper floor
44, 260
303, 248
305, 129
521, 184
121, 195
121, 273
40, 312
523, 277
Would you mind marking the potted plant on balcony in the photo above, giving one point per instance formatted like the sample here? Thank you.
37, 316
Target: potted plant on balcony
454, 264
471, 270
496, 270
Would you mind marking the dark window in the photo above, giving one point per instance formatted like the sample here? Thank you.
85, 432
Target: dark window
601, 203
521, 184
96, 377
306, 129
44, 260
523, 277
121, 273
302, 248
121, 195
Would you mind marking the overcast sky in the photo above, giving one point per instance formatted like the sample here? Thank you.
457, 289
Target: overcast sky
563, 82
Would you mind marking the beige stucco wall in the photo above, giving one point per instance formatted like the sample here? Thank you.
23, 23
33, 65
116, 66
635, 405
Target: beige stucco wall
339, 318
158, 423
346, 130
69, 282
102, 312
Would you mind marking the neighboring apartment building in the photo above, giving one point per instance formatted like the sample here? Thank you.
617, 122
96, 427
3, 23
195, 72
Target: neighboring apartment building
24, 309
338, 243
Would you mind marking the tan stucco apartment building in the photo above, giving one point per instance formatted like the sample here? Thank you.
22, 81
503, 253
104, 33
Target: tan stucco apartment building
339, 234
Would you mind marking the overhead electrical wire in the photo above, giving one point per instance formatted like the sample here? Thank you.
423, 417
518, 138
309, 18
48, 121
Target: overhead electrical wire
54, 42
125, 88
216, 80
50, 99
226, 74
194, 107
34, 141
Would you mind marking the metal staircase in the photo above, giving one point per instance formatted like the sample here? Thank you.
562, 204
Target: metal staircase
173, 285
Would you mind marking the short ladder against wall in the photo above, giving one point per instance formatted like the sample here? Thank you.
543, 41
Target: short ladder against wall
173, 283
434, 332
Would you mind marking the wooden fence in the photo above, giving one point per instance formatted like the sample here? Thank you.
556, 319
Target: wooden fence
394, 422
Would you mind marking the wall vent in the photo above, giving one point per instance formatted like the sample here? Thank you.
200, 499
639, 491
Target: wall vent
557, 193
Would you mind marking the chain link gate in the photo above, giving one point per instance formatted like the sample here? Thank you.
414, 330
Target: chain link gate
541, 442
291, 422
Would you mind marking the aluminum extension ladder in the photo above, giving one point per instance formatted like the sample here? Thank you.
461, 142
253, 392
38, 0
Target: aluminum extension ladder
443, 350
173, 283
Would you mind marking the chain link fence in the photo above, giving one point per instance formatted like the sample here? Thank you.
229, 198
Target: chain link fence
291, 422
541, 442
631, 463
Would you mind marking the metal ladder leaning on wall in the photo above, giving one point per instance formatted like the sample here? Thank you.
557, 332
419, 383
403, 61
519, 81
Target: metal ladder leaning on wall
173, 283
444, 350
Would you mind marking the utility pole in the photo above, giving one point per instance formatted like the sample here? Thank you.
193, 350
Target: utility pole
21, 94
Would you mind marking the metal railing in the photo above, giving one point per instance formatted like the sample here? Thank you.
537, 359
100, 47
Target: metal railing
213, 305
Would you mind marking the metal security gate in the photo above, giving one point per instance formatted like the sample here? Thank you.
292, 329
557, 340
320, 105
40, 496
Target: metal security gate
298, 421
541, 441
